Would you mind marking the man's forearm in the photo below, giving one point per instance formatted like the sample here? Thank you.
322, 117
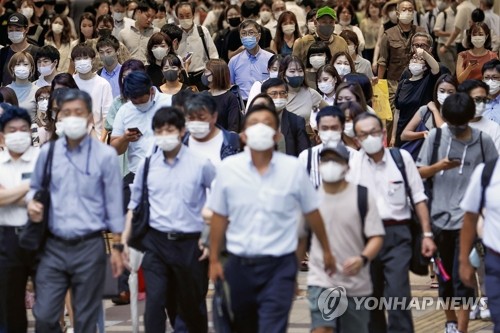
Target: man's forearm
373, 247
120, 144
218, 226
13, 195
318, 228
423, 216
453, 36
467, 235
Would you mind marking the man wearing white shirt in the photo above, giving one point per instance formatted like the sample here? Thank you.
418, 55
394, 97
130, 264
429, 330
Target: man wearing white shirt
493, 21
462, 19
93, 84
17, 162
375, 169
262, 236
118, 11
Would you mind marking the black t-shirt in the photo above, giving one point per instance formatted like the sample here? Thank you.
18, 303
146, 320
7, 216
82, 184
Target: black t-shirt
228, 111
410, 96
234, 41
155, 73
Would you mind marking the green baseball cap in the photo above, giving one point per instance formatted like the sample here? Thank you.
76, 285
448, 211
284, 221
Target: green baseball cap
326, 11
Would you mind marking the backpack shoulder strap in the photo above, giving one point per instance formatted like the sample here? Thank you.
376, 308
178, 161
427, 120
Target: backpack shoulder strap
398, 159
47, 170
435, 146
363, 207
481, 144
233, 139
145, 179
202, 36
309, 160
485, 180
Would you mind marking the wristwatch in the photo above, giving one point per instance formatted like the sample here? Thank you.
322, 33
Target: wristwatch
428, 234
118, 247
365, 259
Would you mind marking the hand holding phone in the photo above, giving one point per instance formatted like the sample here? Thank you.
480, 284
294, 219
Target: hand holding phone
187, 56
134, 129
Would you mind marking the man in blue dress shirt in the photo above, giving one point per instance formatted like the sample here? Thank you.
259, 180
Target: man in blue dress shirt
262, 193
85, 200
177, 182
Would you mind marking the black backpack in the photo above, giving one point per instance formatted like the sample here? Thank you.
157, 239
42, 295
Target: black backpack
221, 42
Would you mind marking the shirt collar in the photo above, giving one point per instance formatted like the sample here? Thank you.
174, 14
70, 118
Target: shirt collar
83, 143
253, 57
114, 71
383, 161
179, 155
134, 28
248, 155
26, 157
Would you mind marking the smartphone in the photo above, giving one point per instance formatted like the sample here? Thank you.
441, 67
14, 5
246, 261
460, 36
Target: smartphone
454, 158
134, 129
187, 56
473, 62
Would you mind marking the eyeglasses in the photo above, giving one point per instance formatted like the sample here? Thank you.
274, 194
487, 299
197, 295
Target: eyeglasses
275, 94
494, 78
421, 46
251, 33
481, 99
362, 136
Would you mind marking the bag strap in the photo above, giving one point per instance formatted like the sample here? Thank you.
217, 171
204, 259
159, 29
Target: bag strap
398, 159
435, 146
363, 207
202, 36
481, 144
309, 160
47, 170
485, 180
145, 195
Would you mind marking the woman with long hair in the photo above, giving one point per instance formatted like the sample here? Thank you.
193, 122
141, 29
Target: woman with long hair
59, 36
287, 32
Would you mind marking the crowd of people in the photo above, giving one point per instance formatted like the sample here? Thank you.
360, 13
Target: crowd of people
232, 144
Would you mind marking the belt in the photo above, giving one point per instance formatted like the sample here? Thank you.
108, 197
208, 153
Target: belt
15, 230
391, 223
77, 240
490, 250
178, 235
256, 260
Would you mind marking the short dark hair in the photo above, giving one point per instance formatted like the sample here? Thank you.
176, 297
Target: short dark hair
492, 64
64, 79
181, 97
136, 84
458, 109
145, 5
182, 4
82, 50
48, 51
367, 115
448, 78
109, 41
274, 82
354, 108
200, 102
71, 95
468, 85
173, 31
477, 15
11, 113
246, 23
169, 116
269, 101
133, 65
331, 111
318, 47
122, 3
250, 8
259, 108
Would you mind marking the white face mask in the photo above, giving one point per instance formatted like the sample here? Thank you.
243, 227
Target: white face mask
145, 107
160, 53
59, 129
167, 142
83, 66
16, 37
280, 103
18, 142
416, 69
344, 22
57, 28
28, 12
343, 70
352, 49
118, 17
265, 16
75, 127
22, 72
198, 129
393, 16
273, 75
260, 137
43, 105
288, 29
46, 70
277, 15
406, 17
186, 24
326, 87
441, 97
372, 144
332, 172
130, 13
478, 41
480, 108
317, 61
311, 27
330, 138
349, 129
494, 86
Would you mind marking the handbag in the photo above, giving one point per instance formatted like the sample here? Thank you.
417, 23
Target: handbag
33, 235
414, 146
111, 289
418, 264
140, 216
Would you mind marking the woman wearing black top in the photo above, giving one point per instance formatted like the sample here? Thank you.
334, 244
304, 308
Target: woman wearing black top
173, 74
159, 45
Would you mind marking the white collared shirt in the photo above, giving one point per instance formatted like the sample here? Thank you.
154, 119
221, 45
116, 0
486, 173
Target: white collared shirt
13, 173
191, 42
263, 210
385, 182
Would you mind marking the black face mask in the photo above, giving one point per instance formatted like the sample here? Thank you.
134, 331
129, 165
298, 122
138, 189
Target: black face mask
60, 8
234, 22
39, 4
104, 32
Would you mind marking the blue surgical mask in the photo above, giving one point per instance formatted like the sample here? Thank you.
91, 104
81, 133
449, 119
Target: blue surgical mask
249, 42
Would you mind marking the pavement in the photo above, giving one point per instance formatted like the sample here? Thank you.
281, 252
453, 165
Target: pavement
425, 321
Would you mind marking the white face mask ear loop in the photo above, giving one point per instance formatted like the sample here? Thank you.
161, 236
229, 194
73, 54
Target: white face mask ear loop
463, 160
447, 152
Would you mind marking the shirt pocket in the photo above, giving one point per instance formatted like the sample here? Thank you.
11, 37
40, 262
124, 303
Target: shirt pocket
276, 202
90, 186
396, 193
191, 193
